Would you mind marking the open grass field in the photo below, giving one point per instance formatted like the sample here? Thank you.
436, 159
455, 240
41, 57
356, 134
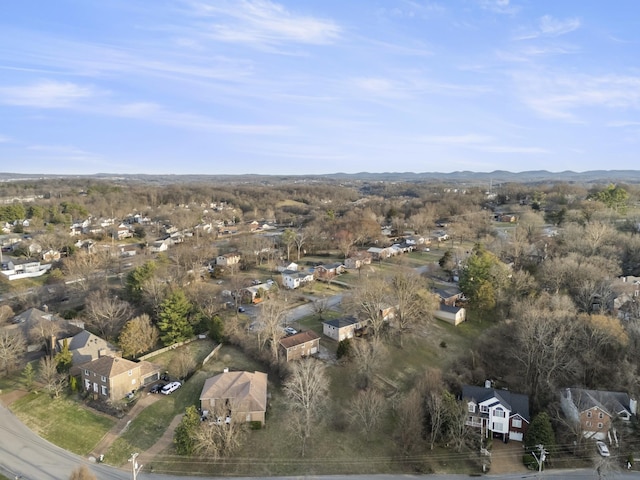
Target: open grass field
62, 421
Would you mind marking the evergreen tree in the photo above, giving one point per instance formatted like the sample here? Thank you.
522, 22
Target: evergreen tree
183, 438
64, 358
540, 432
174, 322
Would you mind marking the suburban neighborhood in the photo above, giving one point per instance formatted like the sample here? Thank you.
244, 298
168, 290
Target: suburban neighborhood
199, 329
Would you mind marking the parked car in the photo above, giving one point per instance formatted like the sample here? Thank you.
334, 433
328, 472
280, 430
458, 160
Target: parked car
170, 388
602, 449
241, 309
156, 388
290, 331
130, 395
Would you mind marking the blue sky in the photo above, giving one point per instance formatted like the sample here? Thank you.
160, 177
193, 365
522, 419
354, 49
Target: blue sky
324, 86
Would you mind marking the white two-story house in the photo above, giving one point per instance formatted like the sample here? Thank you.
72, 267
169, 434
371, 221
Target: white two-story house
499, 413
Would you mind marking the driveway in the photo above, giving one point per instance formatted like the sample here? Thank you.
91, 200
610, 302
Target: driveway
506, 458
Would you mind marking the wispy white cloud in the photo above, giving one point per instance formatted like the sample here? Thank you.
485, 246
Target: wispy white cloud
623, 124
549, 26
464, 140
559, 96
46, 94
260, 23
499, 6
4, 139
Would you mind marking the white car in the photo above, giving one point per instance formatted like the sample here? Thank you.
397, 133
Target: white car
170, 388
290, 331
602, 449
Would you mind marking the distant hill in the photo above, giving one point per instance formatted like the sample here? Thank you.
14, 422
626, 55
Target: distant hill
498, 176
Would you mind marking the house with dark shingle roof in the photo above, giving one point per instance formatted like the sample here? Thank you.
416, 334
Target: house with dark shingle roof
85, 346
300, 345
341, 328
111, 378
595, 410
450, 314
499, 413
242, 394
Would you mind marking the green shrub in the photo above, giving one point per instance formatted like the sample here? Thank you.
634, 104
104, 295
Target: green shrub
255, 425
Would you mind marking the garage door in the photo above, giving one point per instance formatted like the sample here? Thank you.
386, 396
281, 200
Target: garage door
517, 436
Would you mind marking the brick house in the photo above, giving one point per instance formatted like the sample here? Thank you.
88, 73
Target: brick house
300, 345
111, 378
244, 393
595, 410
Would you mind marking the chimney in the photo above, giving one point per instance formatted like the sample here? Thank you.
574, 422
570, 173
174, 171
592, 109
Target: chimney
487, 384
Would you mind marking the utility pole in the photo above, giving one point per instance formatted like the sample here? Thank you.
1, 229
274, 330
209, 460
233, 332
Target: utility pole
543, 456
135, 469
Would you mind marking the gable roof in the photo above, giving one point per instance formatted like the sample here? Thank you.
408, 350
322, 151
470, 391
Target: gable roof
449, 309
34, 315
299, 339
110, 366
517, 403
341, 322
86, 346
246, 388
610, 402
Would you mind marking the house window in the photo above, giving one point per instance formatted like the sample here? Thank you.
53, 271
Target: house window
588, 424
600, 425
130, 372
472, 407
601, 415
86, 372
104, 390
87, 384
589, 414
498, 413
103, 378
516, 422
484, 409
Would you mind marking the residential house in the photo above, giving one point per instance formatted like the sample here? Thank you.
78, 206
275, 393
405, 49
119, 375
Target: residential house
498, 413
50, 255
328, 271
294, 279
286, 265
358, 260
228, 259
16, 271
450, 314
379, 253
341, 328
594, 411
448, 295
111, 378
160, 245
85, 347
300, 345
123, 231
128, 250
244, 393
255, 293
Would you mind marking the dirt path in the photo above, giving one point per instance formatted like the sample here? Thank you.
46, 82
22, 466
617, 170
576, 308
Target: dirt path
121, 426
163, 442
10, 397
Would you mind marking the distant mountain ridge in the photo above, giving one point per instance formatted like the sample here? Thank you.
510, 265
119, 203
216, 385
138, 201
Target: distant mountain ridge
497, 176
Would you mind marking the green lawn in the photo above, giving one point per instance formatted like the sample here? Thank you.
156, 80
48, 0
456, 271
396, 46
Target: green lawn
62, 421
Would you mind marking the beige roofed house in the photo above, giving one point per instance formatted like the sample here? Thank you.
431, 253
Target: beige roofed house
245, 392
300, 345
86, 346
111, 378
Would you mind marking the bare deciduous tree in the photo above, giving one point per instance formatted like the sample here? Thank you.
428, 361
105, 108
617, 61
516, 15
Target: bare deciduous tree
222, 435
82, 473
53, 381
409, 420
271, 318
85, 268
6, 312
106, 312
306, 390
366, 410
368, 301
182, 364
12, 346
368, 357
